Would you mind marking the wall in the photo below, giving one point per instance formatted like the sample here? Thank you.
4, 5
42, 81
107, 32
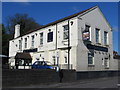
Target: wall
48, 49
16, 78
95, 74
95, 20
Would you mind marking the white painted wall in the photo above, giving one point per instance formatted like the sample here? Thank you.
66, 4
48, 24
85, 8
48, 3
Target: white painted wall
95, 20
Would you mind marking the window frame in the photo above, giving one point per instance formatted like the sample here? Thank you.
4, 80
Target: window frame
105, 38
87, 30
20, 44
25, 42
50, 36
97, 35
65, 31
92, 59
41, 38
106, 63
33, 40
66, 60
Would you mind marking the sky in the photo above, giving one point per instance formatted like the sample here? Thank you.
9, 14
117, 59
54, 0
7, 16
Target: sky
46, 12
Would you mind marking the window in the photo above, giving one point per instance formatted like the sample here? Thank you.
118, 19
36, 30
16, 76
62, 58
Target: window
102, 61
105, 38
106, 63
54, 60
90, 59
65, 59
65, 32
32, 41
50, 37
25, 42
97, 35
20, 44
41, 38
86, 33
87, 28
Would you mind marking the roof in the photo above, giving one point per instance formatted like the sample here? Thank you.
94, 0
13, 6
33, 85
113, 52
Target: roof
63, 19
23, 56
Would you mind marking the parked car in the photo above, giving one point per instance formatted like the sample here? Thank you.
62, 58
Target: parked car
44, 65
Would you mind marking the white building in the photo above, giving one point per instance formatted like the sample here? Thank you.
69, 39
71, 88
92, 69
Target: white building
82, 41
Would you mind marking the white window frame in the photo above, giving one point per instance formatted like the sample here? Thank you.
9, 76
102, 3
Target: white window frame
106, 43
97, 37
20, 44
50, 39
41, 38
92, 59
103, 61
88, 31
106, 63
32, 42
25, 42
54, 60
65, 58
65, 32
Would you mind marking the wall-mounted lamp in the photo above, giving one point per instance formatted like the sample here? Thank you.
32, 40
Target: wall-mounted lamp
71, 22
49, 30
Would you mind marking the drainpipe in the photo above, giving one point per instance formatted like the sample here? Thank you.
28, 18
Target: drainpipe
56, 46
68, 46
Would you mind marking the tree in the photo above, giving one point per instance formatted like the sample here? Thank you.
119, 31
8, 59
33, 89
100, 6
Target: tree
26, 23
5, 40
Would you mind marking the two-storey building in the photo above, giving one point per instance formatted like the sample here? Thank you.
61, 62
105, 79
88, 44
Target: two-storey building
82, 41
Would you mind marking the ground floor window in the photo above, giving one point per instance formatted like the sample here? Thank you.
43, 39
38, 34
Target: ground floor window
90, 59
54, 60
23, 62
106, 63
65, 59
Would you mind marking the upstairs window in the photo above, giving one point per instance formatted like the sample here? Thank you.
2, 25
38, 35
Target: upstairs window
105, 37
25, 42
32, 41
65, 32
86, 33
50, 37
97, 35
41, 38
87, 28
20, 44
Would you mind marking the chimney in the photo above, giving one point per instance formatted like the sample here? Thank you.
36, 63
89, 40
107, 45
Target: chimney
17, 31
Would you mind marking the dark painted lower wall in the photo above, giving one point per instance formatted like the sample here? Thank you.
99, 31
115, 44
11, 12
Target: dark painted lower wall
95, 74
15, 78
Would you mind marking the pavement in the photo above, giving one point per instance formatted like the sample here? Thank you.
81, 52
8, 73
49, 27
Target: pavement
101, 83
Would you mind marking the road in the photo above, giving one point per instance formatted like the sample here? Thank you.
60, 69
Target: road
101, 83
